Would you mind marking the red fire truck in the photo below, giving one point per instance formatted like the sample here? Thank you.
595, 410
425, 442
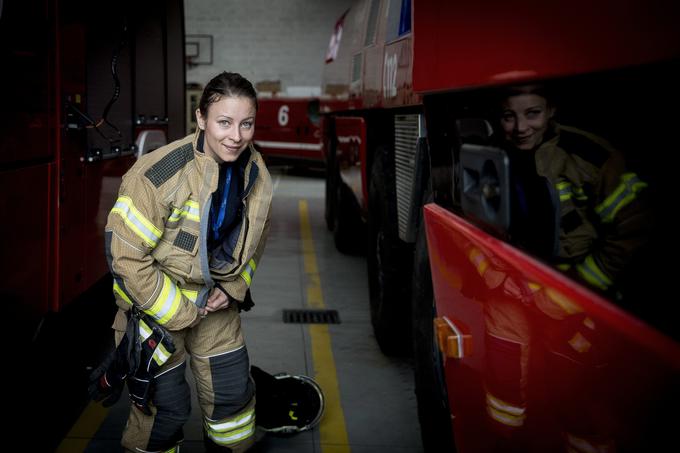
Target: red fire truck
88, 87
510, 353
288, 129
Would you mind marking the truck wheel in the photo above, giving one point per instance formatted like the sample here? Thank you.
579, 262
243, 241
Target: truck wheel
331, 184
433, 407
389, 261
348, 233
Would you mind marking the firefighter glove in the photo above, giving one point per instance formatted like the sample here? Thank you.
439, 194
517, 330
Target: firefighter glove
107, 380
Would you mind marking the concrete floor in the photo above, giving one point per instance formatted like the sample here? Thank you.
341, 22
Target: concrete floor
376, 407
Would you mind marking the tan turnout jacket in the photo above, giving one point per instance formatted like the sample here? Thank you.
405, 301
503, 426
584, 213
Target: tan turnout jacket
603, 219
157, 233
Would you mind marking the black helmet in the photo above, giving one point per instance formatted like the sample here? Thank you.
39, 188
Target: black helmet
285, 403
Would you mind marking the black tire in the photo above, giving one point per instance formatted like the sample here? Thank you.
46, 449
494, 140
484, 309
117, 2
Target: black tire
331, 188
389, 261
433, 407
348, 232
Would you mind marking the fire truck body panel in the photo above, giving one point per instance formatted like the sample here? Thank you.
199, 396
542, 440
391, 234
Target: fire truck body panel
591, 371
397, 85
62, 159
525, 358
471, 44
373, 66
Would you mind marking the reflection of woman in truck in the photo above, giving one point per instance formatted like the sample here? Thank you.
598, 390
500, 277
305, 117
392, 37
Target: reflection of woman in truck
601, 212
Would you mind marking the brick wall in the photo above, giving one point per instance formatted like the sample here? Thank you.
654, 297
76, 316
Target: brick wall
283, 40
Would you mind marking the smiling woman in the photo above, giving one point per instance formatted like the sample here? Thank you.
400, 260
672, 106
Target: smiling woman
526, 114
229, 127
184, 240
228, 120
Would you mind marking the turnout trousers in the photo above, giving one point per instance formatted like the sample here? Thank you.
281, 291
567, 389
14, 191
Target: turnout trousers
226, 394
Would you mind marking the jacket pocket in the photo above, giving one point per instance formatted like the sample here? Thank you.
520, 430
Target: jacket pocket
577, 233
177, 252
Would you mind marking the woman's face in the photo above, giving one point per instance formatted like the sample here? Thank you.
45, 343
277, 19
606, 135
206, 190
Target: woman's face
229, 127
525, 119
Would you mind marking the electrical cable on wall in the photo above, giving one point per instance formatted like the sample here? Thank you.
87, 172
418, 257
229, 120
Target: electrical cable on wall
96, 125
116, 80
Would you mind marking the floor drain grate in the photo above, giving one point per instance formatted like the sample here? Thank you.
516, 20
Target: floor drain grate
311, 317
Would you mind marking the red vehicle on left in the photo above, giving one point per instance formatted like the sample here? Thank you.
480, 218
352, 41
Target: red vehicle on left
88, 87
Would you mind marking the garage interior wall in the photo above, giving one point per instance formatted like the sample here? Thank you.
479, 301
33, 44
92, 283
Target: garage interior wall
264, 40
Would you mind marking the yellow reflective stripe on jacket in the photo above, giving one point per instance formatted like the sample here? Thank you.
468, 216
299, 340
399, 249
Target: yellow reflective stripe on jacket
190, 210
479, 260
591, 273
567, 190
134, 219
624, 193
504, 412
249, 271
144, 330
160, 354
229, 431
562, 301
118, 290
563, 190
166, 304
582, 445
189, 294
579, 343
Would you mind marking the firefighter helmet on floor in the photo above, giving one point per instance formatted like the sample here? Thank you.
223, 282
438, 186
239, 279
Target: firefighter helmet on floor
287, 404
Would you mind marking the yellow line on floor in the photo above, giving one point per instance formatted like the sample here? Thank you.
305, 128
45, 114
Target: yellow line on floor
84, 429
332, 428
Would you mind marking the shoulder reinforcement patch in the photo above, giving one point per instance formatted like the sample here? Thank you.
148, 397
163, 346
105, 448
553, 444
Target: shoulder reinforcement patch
169, 165
583, 147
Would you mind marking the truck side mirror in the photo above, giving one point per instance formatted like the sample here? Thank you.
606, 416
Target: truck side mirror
502, 197
484, 175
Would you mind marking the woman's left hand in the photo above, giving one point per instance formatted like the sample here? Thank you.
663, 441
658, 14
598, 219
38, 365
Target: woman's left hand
217, 300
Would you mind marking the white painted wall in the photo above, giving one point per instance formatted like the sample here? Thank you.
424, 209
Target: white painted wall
282, 40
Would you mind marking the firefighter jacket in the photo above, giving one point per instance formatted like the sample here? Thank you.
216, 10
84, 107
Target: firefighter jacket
156, 234
602, 218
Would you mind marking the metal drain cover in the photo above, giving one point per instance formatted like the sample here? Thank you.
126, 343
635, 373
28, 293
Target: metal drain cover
311, 317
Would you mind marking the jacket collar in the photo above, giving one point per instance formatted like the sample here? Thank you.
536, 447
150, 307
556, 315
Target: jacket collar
207, 165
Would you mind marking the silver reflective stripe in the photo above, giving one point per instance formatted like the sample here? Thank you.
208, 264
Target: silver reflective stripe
225, 426
169, 299
503, 412
244, 433
136, 221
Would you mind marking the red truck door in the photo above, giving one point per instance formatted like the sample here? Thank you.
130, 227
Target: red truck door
543, 364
